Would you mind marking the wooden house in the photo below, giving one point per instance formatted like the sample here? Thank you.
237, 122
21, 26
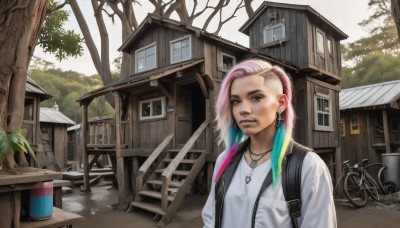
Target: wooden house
34, 94
165, 108
370, 121
53, 127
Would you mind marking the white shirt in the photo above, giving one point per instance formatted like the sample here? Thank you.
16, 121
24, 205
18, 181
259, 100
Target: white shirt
317, 209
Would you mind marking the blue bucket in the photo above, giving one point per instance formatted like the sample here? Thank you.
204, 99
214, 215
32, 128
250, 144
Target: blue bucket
41, 201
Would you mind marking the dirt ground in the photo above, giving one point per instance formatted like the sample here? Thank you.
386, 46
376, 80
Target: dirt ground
97, 207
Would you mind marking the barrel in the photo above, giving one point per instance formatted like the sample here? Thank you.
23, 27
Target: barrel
392, 172
41, 201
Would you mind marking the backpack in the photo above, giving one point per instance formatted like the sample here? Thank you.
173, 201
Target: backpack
291, 180
291, 183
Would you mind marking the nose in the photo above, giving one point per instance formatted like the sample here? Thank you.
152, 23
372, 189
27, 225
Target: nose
244, 108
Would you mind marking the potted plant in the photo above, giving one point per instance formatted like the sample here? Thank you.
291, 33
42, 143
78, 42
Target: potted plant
14, 143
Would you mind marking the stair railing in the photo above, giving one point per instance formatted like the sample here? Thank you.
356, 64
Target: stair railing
167, 174
150, 160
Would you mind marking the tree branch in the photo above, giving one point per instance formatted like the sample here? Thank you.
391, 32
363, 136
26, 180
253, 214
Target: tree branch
249, 8
49, 11
212, 15
222, 22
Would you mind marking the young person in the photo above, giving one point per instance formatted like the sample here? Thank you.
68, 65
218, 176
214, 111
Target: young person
255, 120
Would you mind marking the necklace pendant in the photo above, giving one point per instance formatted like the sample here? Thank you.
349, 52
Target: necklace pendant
248, 179
253, 164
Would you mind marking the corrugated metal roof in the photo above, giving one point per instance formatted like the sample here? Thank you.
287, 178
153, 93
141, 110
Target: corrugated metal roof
50, 115
75, 127
370, 96
32, 87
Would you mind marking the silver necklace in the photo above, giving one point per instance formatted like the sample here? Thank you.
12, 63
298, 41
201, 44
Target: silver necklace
253, 163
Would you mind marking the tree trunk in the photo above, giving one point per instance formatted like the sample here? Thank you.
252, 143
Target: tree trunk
395, 7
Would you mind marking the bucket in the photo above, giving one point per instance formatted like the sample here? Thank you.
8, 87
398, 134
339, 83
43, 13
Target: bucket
41, 201
392, 172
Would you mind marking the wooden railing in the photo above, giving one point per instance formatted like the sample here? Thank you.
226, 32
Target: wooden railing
102, 133
167, 174
150, 160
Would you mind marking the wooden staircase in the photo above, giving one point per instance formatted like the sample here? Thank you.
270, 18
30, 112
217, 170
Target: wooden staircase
166, 187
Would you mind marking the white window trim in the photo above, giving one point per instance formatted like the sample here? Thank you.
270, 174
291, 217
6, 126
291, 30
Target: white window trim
141, 49
163, 102
221, 62
272, 27
171, 48
318, 127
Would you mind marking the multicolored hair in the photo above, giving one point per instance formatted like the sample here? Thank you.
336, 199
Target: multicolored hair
232, 136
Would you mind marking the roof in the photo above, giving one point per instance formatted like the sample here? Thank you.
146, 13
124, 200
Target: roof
245, 27
381, 95
32, 87
50, 115
75, 127
140, 78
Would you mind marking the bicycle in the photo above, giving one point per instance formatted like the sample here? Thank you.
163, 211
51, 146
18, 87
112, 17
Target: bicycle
358, 184
386, 187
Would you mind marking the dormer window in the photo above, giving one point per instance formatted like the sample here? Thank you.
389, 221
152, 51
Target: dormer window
274, 33
146, 58
181, 49
320, 43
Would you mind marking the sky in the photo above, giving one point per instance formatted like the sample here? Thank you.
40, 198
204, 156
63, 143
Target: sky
344, 14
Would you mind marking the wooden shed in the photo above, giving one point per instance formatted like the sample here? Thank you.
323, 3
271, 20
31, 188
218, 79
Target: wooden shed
53, 127
165, 107
34, 94
370, 121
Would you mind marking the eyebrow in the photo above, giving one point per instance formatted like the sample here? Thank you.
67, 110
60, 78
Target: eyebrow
249, 93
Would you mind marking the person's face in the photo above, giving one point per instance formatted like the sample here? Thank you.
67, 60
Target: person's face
255, 102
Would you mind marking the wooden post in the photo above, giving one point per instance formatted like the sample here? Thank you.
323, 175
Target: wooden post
118, 153
86, 184
386, 130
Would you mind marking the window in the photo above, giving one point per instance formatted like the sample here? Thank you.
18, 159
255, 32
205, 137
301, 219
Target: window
342, 128
274, 33
395, 125
354, 124
181, 49
323, 112
153, 108
146, 58
330, 47
29, 108
227, 61
320, 43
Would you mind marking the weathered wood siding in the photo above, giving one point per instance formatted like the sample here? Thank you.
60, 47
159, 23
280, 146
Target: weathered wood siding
305, 132
162, 36
293, 51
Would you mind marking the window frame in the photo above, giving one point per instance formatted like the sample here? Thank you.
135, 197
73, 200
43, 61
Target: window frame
142, 49
171, 48
271, 27
151, 117
329, 45
322, 54
316, 112
342, 127
221, 63
357, 117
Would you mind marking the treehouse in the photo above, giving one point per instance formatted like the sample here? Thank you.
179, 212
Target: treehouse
163, 128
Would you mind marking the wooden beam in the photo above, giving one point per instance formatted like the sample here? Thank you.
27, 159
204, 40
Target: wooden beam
154, 82
171, 99
386, 130
203, 86
86, 185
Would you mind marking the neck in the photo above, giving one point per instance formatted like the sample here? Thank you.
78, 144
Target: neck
263, 140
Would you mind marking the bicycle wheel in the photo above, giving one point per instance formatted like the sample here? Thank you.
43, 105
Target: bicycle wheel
357, 195
372, 186
389, 188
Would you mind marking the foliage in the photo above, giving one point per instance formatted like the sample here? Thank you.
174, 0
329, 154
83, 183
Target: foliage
374, 68
66, 87
55, 39
12, 142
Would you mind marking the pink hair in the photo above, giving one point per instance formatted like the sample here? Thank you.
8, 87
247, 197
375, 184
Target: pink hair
224, 117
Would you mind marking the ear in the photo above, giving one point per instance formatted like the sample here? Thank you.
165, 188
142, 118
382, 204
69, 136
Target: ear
283, 102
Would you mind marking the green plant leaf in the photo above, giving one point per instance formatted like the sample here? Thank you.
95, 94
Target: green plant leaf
5, 144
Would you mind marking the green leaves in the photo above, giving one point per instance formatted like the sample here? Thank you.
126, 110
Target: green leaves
12, 142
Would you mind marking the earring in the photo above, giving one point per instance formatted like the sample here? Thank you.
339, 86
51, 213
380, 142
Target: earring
279, 119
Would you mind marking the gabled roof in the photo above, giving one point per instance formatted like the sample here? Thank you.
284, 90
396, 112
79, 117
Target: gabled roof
381, 95
51, 115
245, 28
32, 87
140, 78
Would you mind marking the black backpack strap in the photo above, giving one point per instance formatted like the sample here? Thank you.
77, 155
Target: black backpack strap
291, 180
